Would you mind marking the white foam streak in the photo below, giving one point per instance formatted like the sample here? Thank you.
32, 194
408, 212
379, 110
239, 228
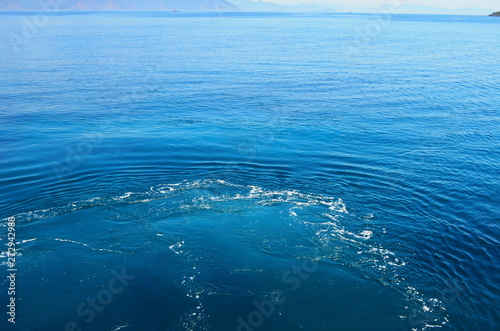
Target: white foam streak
86, 245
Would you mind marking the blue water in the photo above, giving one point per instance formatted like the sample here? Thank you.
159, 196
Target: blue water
244, 171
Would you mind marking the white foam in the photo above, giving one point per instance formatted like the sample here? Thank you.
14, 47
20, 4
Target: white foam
86, 245
176, 247
366, 234
126, 195
25, 241
119, 327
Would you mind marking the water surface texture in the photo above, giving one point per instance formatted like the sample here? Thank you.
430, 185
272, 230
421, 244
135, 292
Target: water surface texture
244, 171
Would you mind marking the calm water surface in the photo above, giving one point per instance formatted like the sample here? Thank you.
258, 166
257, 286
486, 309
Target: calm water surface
239, 171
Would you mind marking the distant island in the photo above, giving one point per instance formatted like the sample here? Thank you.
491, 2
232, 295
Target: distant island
497, 13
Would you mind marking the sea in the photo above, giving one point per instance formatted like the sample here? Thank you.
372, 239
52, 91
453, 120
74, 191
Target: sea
249, 171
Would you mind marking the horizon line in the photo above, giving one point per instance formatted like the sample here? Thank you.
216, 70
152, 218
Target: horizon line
325, 11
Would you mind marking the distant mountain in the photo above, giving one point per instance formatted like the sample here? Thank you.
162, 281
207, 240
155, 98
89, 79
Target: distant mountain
258, 6
123, 4
418, 9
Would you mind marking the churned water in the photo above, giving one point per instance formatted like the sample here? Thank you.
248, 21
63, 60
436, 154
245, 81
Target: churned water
244, 171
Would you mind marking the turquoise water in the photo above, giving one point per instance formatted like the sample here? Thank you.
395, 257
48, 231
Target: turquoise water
244, 171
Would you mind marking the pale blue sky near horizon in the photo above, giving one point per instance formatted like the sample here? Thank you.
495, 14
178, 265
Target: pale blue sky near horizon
452, 4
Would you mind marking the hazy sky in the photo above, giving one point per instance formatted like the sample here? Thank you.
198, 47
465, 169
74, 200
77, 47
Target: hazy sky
434, 3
